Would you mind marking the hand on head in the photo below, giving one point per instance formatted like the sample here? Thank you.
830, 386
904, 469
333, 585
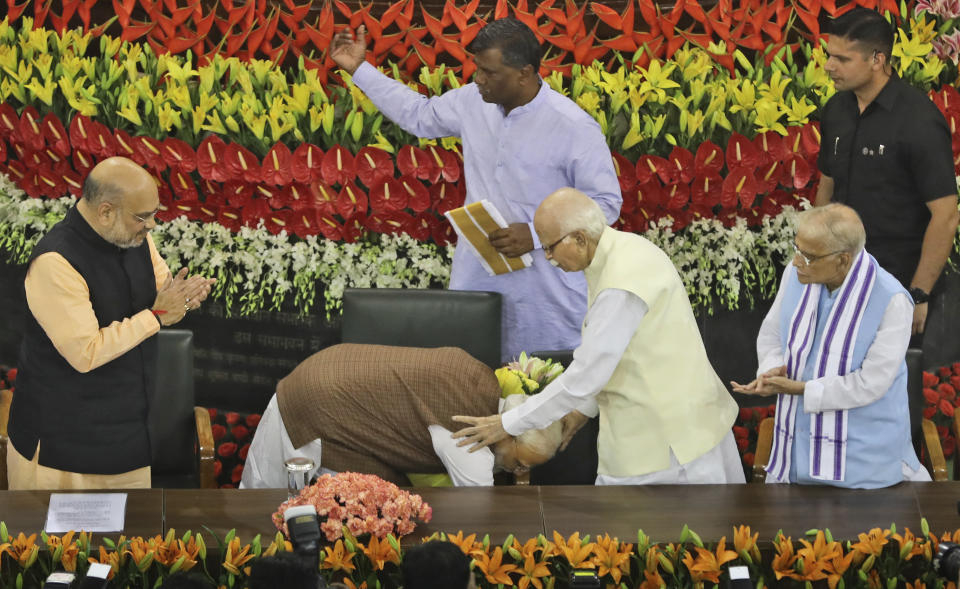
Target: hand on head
347, 50
181, 294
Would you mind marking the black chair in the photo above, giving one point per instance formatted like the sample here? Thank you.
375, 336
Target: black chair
181, 438
577, 464
424, 318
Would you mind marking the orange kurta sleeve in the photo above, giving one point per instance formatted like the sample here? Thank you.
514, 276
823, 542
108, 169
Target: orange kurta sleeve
59, 299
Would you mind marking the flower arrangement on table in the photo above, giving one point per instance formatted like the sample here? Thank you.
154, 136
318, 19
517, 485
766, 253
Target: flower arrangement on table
876, 558
940, 390
527, 375
352, 504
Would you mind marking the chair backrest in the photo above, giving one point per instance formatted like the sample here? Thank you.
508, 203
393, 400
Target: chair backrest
425, 318
171, 419
915, 400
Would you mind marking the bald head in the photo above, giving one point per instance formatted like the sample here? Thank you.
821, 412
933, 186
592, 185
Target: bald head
568, 210
114, 177
835, 226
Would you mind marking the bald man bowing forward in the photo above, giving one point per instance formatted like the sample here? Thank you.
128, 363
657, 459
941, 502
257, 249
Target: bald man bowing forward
98, 291
665, 416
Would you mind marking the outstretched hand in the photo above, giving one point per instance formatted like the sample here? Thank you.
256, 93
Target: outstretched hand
347, 50
485, 431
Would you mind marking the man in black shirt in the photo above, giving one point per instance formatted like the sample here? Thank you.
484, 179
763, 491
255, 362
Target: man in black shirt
886, 152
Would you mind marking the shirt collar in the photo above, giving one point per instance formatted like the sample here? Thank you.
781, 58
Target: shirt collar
886, 99
539, 99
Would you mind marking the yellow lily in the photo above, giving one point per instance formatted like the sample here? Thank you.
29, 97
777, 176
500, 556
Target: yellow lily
34, 41
798, 111
168, 117
775, 88
110, 46
42, 91
232, 124
24, 72
653, 126
744, 94
613, 83
695, 122
768, 117
44, 63
382, 143
280, 122
260, 68
252, 120
298, 100
9, 58
909, 50
214, 124
590, 102
555, 81
230, 102
657, 79
128, 106
634, 135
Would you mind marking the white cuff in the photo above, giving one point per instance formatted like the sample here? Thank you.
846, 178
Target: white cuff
812, 396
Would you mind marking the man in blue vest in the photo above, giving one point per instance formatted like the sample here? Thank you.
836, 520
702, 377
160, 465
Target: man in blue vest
98, 291
832, 349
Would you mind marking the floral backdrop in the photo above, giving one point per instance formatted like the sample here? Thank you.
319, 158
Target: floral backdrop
277, 175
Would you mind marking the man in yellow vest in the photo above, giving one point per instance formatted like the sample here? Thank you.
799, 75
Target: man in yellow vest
665, 415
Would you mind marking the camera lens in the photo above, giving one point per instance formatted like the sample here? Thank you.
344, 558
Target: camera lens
947, 561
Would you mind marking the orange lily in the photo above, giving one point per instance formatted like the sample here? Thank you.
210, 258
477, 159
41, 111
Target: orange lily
380, 553
610, 557
745, 544
349, 583
916, 547
338, 559
707, 566
837, 566
653, 580
872, 542
493, 568
574, 550
783, 562
24, 549
468, 545
235, 556
532, 571
110, 558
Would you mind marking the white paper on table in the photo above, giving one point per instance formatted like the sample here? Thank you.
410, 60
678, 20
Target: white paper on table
89, 512
474, 223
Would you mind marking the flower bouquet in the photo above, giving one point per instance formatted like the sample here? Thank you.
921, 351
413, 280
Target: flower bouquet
940, 390
527, 375
359, 503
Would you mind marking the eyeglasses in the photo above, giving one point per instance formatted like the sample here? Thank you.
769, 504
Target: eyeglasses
142, 219
808, 259
549, 249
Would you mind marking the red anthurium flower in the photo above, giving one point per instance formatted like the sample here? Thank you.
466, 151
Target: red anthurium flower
677, 196
36, 160
323, 197
150, 151
303, 223
9, 121
241, 163
649, 195
254, 211
212, 190
374, 165
649, 166
798, 171
626, 174
126, 146
338, 166
705, 190
351, 200
770, 206
353, 228
640, 220
179, 155
418, 197
388, 195
448, 163
739, 186
238, 193
31, 134
207, 212
770, 146
741, 153
277, 221
271, 193
51, 182
375, 223
81, 133
329, 227
421, 226
56, 135
16, 170
183, 185
681, 219
769, 175
210, 156
398, 222
276, 165
810, 139
296, 197
709, 159
188, 208
445, 196
443, 233
305, 163
416, 162
3, 151
230, 217
682, 159
83, 162
72, 181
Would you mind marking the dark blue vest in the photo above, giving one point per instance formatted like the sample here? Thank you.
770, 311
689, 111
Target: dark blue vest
93, 422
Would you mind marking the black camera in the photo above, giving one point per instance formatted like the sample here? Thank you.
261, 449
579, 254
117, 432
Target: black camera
947, 561
584, 579
303, 528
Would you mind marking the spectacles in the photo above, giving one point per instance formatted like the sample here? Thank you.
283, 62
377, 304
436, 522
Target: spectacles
549, 249
808, 259
143, 219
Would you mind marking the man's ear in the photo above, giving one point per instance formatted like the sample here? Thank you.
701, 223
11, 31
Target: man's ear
105, 211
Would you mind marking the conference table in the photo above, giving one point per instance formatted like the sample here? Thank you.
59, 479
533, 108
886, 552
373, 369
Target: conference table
525, 511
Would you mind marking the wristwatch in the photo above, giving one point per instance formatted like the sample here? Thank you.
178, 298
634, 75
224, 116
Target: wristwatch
919, 295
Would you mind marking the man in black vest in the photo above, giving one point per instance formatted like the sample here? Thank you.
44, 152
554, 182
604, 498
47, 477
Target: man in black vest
98, 291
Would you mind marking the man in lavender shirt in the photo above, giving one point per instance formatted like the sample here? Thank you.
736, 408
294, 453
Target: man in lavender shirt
521, 142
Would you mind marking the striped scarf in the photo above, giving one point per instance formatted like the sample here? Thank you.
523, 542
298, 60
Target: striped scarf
828, 429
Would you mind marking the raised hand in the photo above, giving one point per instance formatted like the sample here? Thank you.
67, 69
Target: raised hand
347, 50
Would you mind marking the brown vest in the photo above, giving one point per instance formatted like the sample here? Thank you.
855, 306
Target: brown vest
371, 405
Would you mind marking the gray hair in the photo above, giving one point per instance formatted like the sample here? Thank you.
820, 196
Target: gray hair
585, 216
841, 227
542, 441
97, 191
